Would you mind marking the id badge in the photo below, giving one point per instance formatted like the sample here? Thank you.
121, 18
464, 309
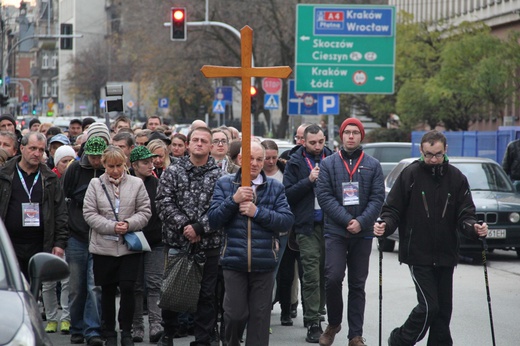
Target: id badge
350, 193
30, 215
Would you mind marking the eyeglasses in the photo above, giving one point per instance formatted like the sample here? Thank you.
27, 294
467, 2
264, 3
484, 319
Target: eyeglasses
352, 133
430, 155
298, 138
220, 141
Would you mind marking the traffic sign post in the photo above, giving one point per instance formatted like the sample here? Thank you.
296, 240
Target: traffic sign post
346, 49
311, 103
164, 102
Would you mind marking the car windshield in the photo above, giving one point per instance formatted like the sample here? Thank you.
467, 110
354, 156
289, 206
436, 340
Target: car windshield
485, 176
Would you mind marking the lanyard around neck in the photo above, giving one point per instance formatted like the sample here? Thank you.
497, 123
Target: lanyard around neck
29, 192
351, 173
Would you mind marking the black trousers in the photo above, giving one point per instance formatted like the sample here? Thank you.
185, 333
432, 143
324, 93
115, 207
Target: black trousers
285, 278
434, 286
204, 318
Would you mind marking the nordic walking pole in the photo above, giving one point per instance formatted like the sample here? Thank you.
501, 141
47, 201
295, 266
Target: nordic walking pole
380, 221
486, 279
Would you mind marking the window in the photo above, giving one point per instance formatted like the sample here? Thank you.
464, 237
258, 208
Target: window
45, 89
45, 61
54, 62
54, 88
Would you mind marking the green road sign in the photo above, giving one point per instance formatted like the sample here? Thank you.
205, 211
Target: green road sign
345, 49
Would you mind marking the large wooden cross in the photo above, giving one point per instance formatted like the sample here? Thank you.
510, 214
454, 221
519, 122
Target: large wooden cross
246, 72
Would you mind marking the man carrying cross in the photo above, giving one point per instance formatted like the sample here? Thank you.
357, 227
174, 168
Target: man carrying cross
251, 217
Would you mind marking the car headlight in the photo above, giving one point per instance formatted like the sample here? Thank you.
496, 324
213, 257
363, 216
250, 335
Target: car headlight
514, 217
24, 336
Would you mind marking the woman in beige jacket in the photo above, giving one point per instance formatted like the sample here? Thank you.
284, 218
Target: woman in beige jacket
114, 264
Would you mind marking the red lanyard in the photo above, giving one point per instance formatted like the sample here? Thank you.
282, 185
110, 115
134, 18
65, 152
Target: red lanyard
309, 161
351, 173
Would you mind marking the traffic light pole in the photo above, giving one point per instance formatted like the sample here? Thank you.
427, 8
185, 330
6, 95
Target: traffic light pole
6, 59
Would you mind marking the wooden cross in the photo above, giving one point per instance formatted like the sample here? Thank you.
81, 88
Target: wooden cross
246, 72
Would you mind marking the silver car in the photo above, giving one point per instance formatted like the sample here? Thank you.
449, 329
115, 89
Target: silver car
21, 321
496, 201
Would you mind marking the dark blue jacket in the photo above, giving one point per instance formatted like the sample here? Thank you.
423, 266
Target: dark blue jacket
253, 248
300, 190
330, 193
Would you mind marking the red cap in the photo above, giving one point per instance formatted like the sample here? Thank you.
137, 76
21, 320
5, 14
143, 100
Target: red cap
355, 122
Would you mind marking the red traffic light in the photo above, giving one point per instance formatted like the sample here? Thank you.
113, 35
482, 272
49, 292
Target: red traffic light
253, 91
178, 24
178, 15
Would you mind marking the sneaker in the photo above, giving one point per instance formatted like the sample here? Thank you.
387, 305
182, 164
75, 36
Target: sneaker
95, 341
314, 332
138, 333
357, 341
52, 327
286, 320
156, 331
65, 327
327, 338
77, 339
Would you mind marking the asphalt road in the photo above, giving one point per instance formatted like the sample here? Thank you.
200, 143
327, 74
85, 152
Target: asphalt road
470, 321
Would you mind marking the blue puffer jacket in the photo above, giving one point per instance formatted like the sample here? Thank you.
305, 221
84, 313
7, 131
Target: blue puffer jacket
250, 249
330, 193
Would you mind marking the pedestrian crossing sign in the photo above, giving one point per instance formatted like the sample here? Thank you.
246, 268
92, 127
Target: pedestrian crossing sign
271, 101
218, 107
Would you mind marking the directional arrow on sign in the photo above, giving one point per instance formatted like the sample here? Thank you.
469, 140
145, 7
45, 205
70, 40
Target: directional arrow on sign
305, 38
380, 78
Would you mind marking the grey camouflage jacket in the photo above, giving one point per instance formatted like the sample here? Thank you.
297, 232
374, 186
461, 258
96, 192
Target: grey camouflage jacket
183, 198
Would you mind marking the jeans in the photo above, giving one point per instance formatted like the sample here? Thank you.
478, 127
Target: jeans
84, 296
150, 276
312, 255
50, 300
354, 254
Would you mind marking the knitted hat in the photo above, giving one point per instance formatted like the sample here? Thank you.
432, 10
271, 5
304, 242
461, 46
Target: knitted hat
34, 121
98, 130
141, 153
61, 138
352, 121
8, 117
95, 146
63, 151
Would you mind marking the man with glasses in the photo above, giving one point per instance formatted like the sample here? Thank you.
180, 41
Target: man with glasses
299, 179
432, 198
219, 151
350, 192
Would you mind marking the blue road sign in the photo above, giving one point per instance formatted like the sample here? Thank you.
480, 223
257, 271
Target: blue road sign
224, 93
271, 101
164, 102
7, 79
219, 107
328, 104
102, 103
301, 103
310, 103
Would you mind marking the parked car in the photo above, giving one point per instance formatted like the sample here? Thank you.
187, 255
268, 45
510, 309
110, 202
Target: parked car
388, 153
496, 201
21, 321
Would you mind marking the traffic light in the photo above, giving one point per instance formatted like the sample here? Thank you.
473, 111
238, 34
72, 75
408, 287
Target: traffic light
178, 24
66, 42
254, 92
4, 100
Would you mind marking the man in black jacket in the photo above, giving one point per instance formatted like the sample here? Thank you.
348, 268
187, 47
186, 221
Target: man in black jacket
299, 179
511, 160
429, 202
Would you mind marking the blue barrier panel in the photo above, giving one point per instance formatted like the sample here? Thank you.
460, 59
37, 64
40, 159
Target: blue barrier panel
455, 143
416, 142
487, 145
470, 143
